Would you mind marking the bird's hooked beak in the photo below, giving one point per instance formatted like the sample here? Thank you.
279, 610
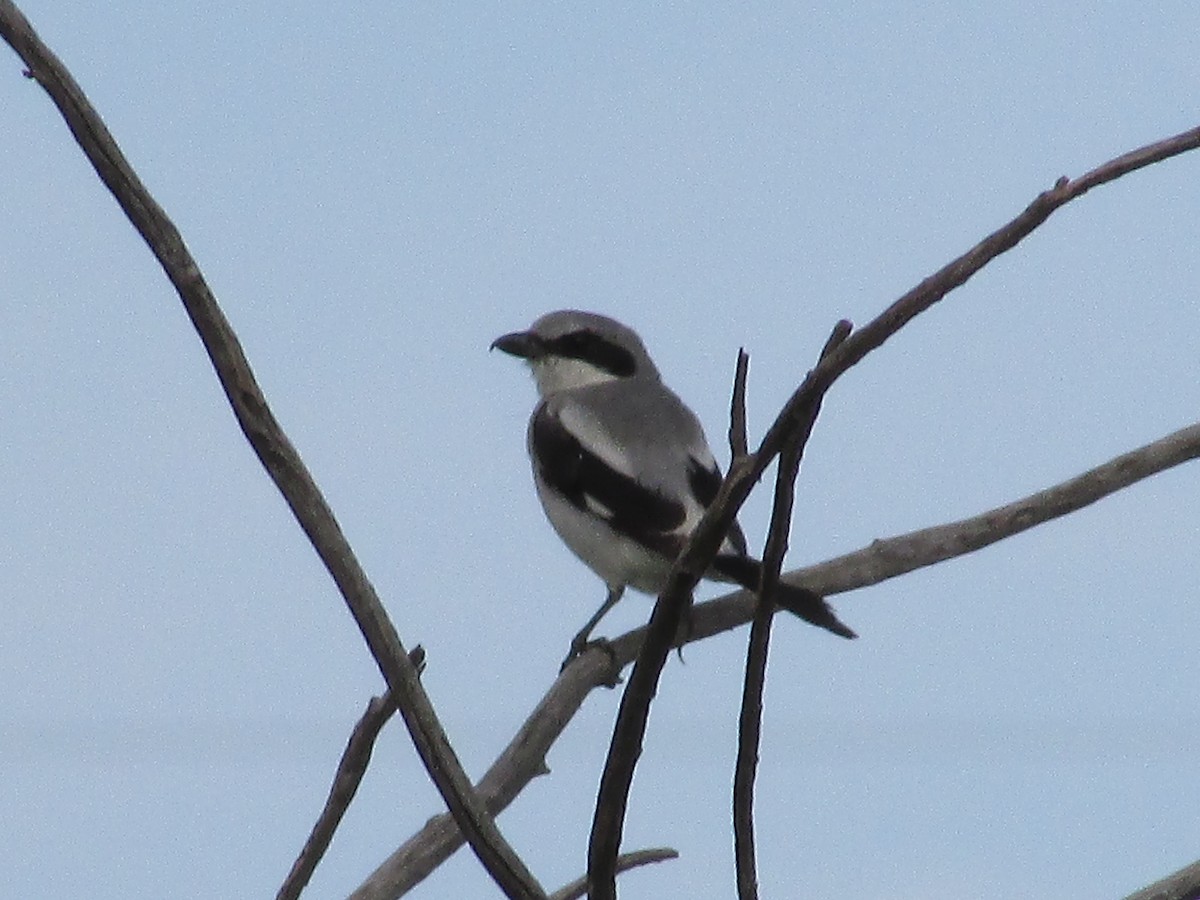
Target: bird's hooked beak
524, 344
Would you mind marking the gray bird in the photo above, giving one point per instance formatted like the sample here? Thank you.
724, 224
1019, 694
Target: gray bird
622, 466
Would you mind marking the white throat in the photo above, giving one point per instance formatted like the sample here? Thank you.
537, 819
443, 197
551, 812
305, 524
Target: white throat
557, 373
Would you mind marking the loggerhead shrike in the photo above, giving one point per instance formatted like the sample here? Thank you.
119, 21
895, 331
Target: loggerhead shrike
622, 466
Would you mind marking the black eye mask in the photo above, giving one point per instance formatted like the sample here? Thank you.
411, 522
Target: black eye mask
587, 346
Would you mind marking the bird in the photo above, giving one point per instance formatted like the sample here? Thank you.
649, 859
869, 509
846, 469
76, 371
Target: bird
622, 467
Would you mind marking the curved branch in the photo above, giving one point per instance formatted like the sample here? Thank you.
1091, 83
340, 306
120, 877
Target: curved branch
1182, 885
625, 862
274, 450
524, 757
885, 559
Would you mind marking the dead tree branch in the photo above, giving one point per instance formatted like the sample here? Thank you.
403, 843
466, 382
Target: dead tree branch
273, 449
625, 862
350, 771
1182, 885
758, 644
739, 445
895, 556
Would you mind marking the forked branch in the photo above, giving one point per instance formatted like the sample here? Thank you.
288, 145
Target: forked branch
758, 644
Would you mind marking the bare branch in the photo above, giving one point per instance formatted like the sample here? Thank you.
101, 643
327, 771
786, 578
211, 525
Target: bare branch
885, 559
1182, 885
350, 772
789, 466
349, 775
625, 862
758, 644
519, 763
738, 443
958, 271
274, 450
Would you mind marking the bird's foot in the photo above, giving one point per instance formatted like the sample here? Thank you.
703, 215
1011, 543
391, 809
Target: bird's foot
582, 645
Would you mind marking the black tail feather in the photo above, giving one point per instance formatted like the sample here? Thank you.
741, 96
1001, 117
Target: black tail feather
811, 607
808, 605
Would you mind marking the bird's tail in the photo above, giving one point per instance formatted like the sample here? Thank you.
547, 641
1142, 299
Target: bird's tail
808, 605
811, 607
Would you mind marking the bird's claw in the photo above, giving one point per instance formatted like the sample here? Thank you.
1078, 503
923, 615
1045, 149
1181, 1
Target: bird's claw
581, 645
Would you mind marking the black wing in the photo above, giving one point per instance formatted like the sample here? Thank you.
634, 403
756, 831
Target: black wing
592, 485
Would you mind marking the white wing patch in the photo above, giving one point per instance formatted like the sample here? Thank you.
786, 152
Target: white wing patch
597, 507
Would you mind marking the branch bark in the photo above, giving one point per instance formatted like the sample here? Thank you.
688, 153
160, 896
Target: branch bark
1182, 885
625, 862
274, 450
739, 444
350, 771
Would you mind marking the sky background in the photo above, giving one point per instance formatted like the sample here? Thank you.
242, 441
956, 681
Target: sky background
375, 192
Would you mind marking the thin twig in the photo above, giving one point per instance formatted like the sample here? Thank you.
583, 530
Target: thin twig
626, 745
743, 849
274, 450
625, 862
738, 443
758, 643
350, 771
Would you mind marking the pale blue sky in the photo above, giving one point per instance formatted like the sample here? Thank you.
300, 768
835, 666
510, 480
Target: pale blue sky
375, 192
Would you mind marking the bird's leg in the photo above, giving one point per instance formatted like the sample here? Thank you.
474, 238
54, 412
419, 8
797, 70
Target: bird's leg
581, 641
